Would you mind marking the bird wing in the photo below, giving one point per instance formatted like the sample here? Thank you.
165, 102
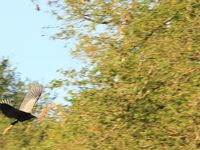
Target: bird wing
31, 98
6, 101
12, 112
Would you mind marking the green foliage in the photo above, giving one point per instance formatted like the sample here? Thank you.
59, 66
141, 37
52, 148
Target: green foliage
10, 85
143, 89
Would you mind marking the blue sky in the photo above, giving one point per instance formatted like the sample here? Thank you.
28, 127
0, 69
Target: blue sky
35, 56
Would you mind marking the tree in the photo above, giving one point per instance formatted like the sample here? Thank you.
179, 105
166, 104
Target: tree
11, 86
142, 91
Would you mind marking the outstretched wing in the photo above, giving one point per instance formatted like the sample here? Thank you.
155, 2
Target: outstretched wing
31, 98
6, 101
12, 112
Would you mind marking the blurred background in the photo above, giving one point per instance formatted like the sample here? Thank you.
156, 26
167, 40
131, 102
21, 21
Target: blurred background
124, 73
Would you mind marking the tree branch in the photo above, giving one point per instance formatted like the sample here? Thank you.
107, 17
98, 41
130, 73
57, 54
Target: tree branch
161, 26
44, 111
88, 18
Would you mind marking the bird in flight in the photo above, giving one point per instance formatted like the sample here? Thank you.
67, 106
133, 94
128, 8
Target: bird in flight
25, 110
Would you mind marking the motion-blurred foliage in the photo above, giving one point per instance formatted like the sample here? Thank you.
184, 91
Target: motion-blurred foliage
141, 86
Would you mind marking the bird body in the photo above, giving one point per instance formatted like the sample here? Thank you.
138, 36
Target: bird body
11, 112
25, 110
